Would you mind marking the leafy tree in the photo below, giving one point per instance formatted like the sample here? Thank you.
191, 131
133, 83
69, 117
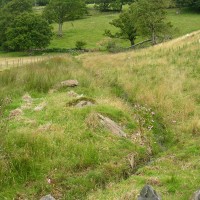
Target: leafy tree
126, 25
9, 12
111, 5
28, 31
150, 18
42, 2
61, 11
188, 3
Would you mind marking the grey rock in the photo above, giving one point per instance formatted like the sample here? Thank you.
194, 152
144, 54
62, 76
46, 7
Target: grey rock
148, 193
196, 195
112, 126
48, 197
82, 104
69, 83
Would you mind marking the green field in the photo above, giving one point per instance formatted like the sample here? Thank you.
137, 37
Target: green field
91, 28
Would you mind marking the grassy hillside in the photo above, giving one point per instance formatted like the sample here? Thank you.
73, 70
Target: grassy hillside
153, 94
91, 29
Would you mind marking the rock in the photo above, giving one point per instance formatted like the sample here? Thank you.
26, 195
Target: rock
148, 193
72, 94
196, 195
112, 126
48, 197
69, 83
27, 98
40, 107
15, 113
82, 104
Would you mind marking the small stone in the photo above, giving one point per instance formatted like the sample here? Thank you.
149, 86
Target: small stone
196, 195
69, 83
72, 94
148, 193
15, 113
48, 197
82, 104
27, 98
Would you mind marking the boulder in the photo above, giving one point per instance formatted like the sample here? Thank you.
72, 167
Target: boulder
48, 197
69, 83
112, 126
196, 195
148, 193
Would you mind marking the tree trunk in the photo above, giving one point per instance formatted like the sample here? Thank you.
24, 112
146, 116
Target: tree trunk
60, 33
153, 38
132, 42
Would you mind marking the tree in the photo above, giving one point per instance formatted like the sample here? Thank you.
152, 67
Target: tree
9, 12
188, 3
61, 11
28, 31
150, 18
111, 5
126, 25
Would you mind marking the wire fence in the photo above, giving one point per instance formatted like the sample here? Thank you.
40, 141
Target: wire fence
16, 62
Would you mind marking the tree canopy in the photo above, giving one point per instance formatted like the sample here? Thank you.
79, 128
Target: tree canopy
61, 11
126, 25
150, 18
26, 32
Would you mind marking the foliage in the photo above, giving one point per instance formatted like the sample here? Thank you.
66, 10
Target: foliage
188, 3
150, 18
61, 11
126, 24
9, 12
80, 44
27, 31
110, 5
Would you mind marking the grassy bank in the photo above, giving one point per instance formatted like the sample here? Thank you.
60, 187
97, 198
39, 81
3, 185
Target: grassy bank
152, 94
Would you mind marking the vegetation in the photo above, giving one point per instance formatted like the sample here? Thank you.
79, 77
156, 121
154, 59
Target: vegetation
126, 25
65, 151
61, 11
27, 32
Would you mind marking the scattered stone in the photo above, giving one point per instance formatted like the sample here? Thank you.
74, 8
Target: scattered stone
196, 195
69, 83
81, 102
16, 113
148, 193
48, 197
27, 98
112, 126
40, 107
72, 94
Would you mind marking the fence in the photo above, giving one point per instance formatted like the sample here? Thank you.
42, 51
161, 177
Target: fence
16, 62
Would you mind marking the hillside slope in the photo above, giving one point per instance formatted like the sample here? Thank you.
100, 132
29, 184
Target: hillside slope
49, 145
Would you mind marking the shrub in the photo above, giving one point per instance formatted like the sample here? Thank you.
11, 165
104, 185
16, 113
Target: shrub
80, 45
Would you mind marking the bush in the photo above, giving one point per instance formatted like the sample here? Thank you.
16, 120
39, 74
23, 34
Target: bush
80, 44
